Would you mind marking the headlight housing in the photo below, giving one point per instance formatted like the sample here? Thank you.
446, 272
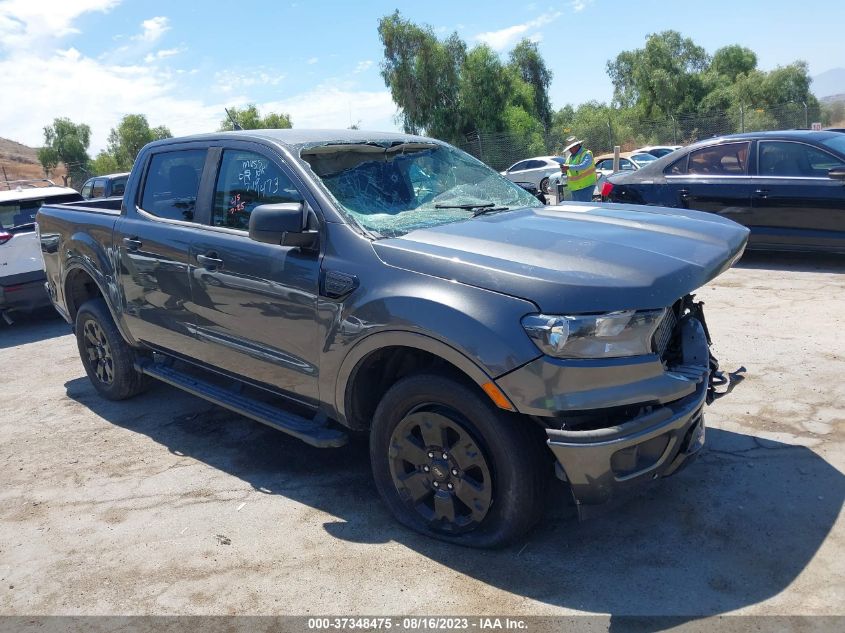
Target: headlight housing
608, 335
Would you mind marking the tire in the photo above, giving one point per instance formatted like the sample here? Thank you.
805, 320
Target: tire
491, 472
107, 359
544, 185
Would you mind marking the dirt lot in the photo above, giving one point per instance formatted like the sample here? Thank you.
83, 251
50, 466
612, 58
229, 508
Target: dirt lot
164, 504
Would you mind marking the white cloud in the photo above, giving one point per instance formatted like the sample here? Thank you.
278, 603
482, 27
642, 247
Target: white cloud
502, 39
163, 53
580, 5
229, 81
334, 106
313, 60
153, 29
35, 25
363, 66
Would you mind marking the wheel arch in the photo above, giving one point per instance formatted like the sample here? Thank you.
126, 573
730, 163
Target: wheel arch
376, 352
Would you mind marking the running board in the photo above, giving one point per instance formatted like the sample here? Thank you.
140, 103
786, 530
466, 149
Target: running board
309, 431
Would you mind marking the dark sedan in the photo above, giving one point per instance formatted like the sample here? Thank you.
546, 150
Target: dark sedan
787, 187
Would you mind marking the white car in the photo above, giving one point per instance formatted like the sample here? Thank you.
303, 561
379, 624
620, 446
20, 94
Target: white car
21, 267
535, 171
658, 151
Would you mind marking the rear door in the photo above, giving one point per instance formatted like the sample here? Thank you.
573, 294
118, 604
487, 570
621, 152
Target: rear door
256, 304
153, 239
713, 178
795, 203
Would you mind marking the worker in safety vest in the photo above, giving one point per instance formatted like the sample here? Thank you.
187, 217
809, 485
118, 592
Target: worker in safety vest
580, 170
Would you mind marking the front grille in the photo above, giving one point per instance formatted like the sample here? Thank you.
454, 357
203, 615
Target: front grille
663, 335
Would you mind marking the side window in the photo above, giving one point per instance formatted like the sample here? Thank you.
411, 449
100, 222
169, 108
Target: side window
247, 179
625, 165
173, 180
86, 189
519, 166
779, 158
728, 159
98, 190
605, 164
118, 187
678, 168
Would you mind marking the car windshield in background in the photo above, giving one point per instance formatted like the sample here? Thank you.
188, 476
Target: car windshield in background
642, 159
22, 212
836, 143
392, 189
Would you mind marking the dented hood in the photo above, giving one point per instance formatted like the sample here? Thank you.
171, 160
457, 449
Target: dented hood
576, 258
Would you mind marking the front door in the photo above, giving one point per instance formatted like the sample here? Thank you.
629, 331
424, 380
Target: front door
255, 304
796, 204
717, 181
153, 241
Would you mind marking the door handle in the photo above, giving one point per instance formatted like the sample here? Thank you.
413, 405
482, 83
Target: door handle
210, 261
762, 193
132, 243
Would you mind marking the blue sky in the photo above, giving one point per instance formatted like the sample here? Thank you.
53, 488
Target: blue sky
181, 62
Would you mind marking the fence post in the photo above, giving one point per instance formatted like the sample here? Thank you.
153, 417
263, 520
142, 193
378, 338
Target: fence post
609, 132
674, 130
741, 118
806, 116
480, 148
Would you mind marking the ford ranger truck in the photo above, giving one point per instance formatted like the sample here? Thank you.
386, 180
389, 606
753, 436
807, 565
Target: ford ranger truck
328, 282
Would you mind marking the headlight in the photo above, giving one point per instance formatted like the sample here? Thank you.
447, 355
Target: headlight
609, 335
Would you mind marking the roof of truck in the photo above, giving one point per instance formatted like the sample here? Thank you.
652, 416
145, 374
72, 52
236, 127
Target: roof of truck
299, 137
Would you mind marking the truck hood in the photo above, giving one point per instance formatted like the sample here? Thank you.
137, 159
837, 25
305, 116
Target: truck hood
576, 258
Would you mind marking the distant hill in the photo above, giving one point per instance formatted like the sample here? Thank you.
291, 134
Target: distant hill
833, 98
830, 82
19, 162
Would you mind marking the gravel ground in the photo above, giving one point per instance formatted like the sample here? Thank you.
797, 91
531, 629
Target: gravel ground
165, 504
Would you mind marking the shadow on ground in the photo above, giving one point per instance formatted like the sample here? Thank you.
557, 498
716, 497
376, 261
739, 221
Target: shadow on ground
30, 328
735, 528
793, 262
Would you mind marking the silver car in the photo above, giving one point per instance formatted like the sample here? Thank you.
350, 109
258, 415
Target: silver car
535, 171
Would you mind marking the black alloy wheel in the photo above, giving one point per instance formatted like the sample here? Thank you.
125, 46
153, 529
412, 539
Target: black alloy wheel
99, 352
451, 465
439, 469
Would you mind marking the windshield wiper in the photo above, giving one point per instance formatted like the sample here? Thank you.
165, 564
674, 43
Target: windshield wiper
479, 208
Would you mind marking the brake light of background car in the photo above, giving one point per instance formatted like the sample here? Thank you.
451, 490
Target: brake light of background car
606, 188
5, 237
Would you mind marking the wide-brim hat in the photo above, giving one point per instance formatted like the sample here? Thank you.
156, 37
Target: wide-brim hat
572, 142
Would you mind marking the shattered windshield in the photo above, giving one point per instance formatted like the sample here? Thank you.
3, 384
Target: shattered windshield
392, 189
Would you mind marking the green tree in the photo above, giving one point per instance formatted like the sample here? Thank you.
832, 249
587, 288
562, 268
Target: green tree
663, 78
127, 139
731, 61
485, 90
66, 142
104, 163
525, 58
423, 75
249, 118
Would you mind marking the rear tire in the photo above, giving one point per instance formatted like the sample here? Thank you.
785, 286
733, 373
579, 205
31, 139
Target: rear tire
108, 360
453, 466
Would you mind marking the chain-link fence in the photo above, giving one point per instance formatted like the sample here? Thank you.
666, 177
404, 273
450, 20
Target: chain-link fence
603, 131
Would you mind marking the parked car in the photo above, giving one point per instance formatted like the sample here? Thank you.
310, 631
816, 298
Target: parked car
105, 186
628, 161
658, 151
787, 187
391, 284
21, 269
535, 171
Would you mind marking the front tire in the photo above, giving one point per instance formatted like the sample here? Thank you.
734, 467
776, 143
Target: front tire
451, 465
108, 360
544, 185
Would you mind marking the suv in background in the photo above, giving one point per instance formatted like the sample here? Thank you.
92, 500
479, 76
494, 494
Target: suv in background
105, 186
21, 267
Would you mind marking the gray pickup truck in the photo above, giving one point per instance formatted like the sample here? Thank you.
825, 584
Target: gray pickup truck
328, 282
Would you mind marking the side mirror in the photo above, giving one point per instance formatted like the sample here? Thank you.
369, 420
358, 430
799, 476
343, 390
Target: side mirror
284, 224
837, 173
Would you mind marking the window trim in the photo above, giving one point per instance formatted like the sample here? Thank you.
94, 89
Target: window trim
778, 140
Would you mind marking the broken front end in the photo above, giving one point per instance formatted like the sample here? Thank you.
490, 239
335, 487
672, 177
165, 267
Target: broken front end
618, 422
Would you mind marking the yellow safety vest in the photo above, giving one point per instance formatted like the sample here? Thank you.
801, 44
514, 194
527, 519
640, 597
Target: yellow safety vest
580, 178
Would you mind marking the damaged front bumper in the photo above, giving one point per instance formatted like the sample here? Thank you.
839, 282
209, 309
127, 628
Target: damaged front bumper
604, 461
